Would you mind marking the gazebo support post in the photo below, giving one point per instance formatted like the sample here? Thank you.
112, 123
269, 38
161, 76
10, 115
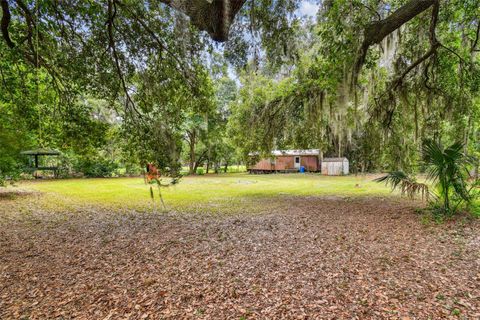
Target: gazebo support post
36, 167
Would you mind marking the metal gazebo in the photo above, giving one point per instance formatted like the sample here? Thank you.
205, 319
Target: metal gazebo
35, 160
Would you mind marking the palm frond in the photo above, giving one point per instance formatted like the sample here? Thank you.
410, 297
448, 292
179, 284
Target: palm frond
407, 185
393, 178
434, 159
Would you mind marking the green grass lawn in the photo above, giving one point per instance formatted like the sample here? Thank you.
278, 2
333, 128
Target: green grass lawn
223, 190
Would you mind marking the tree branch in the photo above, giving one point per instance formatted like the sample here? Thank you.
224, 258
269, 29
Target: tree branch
434, 44
5, 22
35, 58
112, 11
202, 157
373, 11
179, 67
375, 32
427, 55
395, 84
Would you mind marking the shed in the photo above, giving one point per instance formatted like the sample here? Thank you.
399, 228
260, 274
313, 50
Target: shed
335, 166
286, 161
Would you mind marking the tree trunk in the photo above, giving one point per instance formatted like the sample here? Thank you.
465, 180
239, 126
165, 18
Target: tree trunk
226, 167
200, 160
192, 142
5, 22
214, 16
466, 135
339, 152
416, 119
195, 167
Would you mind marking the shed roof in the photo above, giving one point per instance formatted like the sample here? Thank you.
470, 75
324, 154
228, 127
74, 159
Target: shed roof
41, 152
334, 159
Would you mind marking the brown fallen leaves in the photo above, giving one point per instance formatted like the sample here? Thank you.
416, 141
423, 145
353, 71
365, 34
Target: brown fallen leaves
314, 259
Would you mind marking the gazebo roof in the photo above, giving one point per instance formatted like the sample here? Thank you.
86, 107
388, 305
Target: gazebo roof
41, 152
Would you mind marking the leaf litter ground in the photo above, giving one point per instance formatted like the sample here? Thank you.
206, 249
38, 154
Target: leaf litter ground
298, 258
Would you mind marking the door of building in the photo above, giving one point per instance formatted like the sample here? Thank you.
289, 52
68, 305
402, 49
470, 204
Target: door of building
297, 162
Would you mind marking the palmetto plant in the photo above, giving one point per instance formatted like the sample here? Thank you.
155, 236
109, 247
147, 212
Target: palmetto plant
447, 171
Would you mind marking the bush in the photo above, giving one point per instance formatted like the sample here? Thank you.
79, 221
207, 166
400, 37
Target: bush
475, 209
9, 170
200, 171
67, 162
236, 169
97, 167
132, 169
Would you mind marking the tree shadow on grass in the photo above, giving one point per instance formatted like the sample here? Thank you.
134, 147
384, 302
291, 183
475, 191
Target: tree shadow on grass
12, 194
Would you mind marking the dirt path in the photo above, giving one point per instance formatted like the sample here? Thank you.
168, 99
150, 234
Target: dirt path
315, 259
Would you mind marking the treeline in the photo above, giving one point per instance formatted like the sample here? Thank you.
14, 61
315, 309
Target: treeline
116, 85
379, 115
113, 86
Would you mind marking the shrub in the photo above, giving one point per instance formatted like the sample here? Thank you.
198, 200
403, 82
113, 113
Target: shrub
67, 162
133, 169
9, 170
97, 167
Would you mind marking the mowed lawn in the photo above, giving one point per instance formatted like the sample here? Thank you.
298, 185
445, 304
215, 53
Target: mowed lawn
219, 191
